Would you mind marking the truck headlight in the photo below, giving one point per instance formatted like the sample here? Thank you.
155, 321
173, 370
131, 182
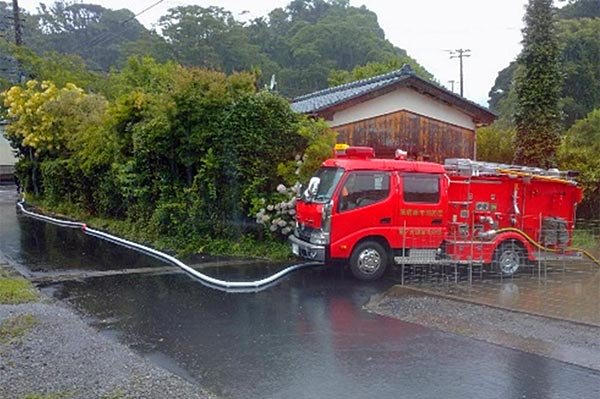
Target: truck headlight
319, 237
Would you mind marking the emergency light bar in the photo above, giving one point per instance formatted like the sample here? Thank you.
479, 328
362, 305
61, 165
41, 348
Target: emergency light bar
345, 151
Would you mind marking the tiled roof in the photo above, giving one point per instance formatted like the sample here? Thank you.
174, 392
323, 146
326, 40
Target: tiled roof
324, 99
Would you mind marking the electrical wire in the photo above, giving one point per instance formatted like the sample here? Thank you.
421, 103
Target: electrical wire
108, 35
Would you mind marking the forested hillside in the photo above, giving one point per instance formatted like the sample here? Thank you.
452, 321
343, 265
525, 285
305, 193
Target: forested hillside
578, 31
303, 44
579, 34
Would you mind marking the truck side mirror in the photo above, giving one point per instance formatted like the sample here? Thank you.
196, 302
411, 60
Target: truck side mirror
313, 186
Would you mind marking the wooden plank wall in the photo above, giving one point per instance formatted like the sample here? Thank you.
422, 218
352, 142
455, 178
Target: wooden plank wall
422, 137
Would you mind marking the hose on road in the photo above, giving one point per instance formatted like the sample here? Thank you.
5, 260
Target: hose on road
229, 286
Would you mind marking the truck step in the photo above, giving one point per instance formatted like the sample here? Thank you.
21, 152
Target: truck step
419, 257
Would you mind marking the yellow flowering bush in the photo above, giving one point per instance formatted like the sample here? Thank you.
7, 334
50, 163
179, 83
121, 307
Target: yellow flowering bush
49, 119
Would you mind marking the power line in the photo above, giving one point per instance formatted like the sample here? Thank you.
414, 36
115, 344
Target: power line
460, 54
108, 35
123, 23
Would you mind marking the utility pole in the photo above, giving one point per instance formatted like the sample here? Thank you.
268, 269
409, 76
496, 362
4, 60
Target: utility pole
17, 22
460, 54
452, 84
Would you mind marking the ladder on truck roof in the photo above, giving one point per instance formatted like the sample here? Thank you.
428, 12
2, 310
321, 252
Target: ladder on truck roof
468, 167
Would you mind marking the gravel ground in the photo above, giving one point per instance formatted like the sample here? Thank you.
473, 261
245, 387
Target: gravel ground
63, 356
562, 340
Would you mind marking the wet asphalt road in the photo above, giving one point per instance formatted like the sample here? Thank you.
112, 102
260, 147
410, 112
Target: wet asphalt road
306, 337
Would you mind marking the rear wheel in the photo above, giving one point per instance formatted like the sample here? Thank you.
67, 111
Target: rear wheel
509, 257
368, 261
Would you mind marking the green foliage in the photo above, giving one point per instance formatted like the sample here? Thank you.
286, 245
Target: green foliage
143, 72
537, 88
320, 140
176, 156
371, 69
585, 239
502, 85
99, 35
580, 9
210, 38
579, 151
302, 43
49, 119
579, 41
495, 144
310, 38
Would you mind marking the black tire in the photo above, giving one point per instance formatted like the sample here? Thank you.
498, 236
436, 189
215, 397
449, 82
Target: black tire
368, 261
509, 257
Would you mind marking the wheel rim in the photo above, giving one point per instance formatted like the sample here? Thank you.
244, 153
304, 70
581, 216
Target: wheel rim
369, 261
509, 261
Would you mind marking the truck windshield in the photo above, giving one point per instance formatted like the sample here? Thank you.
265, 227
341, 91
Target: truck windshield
329, 178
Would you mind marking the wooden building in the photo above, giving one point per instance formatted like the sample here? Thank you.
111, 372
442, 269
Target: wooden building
7, 157
400, 110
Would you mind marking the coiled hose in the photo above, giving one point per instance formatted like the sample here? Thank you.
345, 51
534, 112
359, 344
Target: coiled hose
228, 286
541, 247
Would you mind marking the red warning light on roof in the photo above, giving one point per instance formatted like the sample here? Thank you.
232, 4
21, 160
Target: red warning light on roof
356, 152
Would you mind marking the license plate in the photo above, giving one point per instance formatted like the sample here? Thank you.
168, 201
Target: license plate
295, 249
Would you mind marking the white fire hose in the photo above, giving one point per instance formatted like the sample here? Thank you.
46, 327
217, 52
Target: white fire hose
229, 286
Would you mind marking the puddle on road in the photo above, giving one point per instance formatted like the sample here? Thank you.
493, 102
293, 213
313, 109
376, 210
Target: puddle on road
568, 292
306, 337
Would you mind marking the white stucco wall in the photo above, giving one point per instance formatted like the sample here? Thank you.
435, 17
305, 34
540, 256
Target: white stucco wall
6, 152
403, 99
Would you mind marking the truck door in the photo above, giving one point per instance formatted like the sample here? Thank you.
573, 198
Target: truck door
423, 202
364, 207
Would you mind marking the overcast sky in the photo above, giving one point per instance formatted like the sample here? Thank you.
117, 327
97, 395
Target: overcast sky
426, 29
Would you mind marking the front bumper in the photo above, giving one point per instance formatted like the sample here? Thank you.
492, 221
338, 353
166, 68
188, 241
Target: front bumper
307, 250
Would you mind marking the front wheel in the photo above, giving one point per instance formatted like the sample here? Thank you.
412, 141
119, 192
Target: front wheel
509, 257
368, 261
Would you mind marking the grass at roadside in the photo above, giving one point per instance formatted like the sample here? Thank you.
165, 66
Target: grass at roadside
15, 290
14, 328
246, 246
585, 239
56, 395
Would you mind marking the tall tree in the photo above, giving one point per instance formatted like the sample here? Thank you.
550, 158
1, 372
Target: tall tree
538, 87
579, 41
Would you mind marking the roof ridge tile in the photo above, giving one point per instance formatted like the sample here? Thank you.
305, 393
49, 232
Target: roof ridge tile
404, 71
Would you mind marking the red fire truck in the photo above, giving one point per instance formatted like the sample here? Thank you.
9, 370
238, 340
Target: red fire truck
371, 212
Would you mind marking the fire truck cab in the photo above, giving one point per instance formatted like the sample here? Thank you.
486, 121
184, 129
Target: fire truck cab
372, 212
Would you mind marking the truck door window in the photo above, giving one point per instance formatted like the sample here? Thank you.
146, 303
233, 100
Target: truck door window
421, 188
364, 188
